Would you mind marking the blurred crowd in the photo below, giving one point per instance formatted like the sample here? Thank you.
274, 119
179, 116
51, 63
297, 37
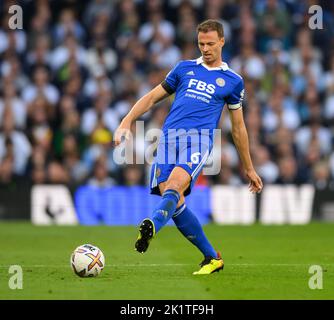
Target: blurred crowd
77, 67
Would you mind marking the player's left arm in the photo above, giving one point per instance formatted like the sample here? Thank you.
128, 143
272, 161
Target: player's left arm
240, 138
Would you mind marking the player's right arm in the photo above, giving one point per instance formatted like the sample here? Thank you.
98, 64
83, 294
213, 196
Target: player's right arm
143, 105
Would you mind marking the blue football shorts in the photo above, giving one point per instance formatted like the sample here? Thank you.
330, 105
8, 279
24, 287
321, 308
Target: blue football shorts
187, 155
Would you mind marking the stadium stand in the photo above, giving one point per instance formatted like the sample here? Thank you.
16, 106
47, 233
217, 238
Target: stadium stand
76, 67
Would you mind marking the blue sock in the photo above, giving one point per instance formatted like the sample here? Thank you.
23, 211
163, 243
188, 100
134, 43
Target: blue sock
165, 209
190, 227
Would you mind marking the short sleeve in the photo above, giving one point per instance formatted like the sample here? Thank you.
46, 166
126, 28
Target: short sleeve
172, 80
234, 100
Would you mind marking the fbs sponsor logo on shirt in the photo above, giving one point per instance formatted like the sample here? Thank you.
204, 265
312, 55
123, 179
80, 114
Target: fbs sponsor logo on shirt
202, 86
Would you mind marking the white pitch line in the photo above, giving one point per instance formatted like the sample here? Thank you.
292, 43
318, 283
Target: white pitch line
107, 265
179, 264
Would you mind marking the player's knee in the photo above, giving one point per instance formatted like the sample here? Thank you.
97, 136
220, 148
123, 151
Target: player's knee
162, 187
174, 185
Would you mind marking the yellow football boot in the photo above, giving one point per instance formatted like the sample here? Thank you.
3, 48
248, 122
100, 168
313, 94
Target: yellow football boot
210, 265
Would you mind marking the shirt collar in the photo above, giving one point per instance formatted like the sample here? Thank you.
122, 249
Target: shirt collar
223, 66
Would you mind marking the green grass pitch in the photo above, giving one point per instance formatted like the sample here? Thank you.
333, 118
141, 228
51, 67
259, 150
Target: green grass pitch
261, 262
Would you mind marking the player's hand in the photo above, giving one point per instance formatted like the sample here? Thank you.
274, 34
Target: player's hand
255, 182
122, 131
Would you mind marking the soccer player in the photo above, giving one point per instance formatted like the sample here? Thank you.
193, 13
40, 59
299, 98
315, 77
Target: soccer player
202, 87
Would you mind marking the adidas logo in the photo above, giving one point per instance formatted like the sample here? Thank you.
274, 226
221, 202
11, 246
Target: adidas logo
190, 73
163, 212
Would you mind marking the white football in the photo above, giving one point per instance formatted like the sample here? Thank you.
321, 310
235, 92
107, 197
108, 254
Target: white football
87, 261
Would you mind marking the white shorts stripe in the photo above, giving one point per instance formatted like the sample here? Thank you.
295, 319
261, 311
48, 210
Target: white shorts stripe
200, 165
154, 180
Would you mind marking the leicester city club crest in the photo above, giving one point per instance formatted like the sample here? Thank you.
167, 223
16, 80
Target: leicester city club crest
220, 82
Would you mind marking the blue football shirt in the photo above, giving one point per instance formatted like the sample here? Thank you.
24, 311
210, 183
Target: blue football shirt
200, 94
